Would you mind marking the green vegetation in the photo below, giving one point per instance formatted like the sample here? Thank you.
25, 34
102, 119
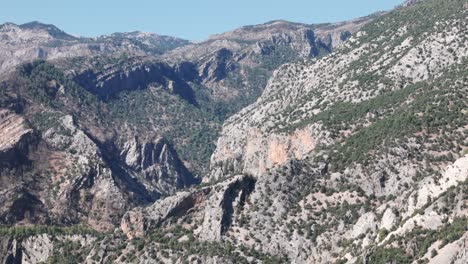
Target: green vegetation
27, 231
388, 255
49, 85
418, 19
432, 110
420, 240
279, 55
192, 130
382, 234
168, 241
67, 251
385, 120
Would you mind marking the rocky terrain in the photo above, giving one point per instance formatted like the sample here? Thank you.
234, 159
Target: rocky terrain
354, 151
214, 78
30, 41
98, 126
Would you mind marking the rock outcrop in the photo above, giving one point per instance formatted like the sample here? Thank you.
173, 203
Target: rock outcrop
109, 83
158, 163
85, 184
40, 248
15, 140
213, 205
139, 221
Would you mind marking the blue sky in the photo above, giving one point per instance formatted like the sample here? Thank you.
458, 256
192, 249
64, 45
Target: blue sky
190, 19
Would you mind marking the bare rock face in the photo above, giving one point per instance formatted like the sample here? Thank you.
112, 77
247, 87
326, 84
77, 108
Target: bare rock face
9, 250
366, 223
257, 152
137, 222
86, 185
219, 209
15, 138
38, 248
136, 75
217, 67
148, 170
388, 219
91, 187
158, 163
305, 41
213, 206
454, 252
18, 204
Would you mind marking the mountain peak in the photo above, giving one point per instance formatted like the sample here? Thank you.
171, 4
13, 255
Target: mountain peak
7, 26
411, 2
49, 28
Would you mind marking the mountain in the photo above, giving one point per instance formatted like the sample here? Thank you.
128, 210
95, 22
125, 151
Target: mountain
51, 30
35, 40
148, 42
354, 151
411, 2
235, 66
90, 133
359, 156
214, 79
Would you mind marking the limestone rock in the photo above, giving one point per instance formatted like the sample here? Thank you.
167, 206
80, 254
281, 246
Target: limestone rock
159, 164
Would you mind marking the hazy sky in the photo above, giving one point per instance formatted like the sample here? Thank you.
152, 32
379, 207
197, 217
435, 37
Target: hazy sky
190, 19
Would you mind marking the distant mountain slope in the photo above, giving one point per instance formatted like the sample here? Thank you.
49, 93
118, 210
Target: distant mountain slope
217, 79
34, 40
236, 65
148, 42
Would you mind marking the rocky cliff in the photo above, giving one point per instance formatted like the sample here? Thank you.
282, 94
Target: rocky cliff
62, 167
359, 156
354, 156
68, 177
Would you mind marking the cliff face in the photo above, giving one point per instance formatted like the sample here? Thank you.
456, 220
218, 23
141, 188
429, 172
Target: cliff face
62, 176
158, 163
16, 137
43, 248
107, 83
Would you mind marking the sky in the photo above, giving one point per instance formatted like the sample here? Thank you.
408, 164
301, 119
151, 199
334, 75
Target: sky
190, 19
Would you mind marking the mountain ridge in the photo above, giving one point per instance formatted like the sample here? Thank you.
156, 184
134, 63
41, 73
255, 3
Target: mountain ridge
352, 148
122, 120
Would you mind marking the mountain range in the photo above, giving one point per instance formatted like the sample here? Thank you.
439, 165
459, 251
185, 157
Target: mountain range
275, 143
